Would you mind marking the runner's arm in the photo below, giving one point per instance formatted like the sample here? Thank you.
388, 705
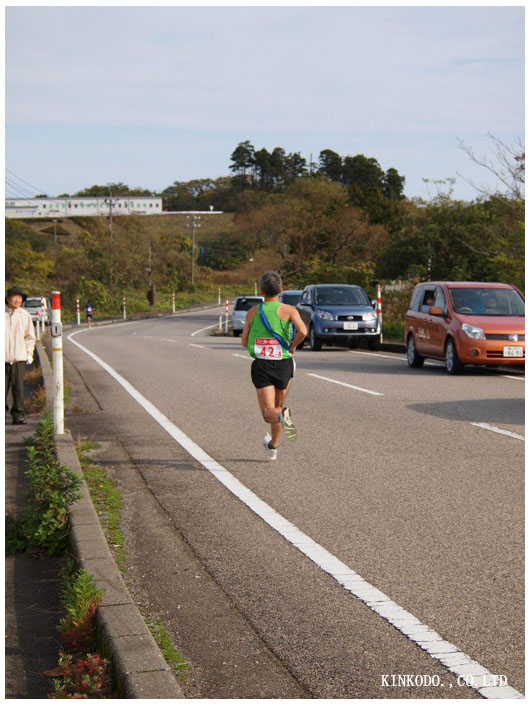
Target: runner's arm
300, 328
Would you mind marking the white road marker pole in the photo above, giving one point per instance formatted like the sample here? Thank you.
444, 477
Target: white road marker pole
57, 362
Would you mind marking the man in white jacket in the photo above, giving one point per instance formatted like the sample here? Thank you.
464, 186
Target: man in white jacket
20, 343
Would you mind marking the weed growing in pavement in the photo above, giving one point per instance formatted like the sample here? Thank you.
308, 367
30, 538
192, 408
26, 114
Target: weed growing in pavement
80, 597
52, 488
107, 501
82, 678
82, 673
163, 640
36, 403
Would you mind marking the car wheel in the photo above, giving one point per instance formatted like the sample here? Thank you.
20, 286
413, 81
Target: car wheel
452, 361
374, 344
413, 358
314, 342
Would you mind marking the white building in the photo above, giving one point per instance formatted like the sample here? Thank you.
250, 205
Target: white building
83, 206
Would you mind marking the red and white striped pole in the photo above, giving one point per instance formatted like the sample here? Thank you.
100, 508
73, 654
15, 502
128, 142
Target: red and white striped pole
226, 315
43, 311
57, 362
380, 310
124, 307
78, 311
219, 296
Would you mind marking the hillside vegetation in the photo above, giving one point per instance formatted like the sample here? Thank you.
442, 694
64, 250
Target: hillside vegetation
344, 220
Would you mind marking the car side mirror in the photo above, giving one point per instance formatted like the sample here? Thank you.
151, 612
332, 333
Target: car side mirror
374, 303
435, 311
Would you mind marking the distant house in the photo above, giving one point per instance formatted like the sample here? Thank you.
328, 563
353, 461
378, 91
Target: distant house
82, 206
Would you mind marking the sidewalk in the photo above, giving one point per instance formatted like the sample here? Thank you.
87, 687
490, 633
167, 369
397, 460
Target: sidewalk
32, 587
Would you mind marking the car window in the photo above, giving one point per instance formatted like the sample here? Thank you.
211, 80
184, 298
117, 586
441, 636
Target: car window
246, 303
487, 301
427, 300
341, 296
304, 299
291, 299
439, 299
32, 302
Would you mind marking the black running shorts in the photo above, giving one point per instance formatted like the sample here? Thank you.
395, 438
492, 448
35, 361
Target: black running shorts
272, 372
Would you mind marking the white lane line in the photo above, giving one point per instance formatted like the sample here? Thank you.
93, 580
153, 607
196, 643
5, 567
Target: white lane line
497, 430
378, 355
204, 329
446, 653
353, 387
238, 355
392, 357
159, 338
514, 377
196, 345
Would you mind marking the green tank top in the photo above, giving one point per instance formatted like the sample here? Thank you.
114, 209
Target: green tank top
260, 342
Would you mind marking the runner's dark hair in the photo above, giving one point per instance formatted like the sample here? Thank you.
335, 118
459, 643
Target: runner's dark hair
271, 284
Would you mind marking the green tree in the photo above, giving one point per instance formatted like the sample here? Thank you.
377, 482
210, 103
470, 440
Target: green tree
311, 219
330, 164
456, 240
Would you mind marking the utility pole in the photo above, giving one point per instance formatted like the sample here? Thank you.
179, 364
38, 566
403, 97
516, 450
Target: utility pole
150, 267
192, 223
111, 202
55, 231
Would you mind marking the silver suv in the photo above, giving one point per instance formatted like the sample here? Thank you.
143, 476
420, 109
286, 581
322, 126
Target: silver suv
33, 305
239, 312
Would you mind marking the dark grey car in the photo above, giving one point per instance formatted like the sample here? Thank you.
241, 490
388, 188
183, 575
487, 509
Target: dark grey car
340, 314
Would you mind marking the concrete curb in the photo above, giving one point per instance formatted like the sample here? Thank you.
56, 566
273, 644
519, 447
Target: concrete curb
140, 668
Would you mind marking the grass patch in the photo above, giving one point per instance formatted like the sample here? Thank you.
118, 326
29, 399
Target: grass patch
107, 501
394, 330
163, 640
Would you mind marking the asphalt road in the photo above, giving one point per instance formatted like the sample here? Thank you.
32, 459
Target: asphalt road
391, 477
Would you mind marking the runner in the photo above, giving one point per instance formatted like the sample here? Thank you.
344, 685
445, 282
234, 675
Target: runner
89, 313
267, 334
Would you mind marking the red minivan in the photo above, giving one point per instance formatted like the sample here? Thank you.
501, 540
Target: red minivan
465, 323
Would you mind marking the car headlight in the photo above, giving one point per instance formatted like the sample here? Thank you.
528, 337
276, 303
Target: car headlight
473, 331
324, 314
370, 316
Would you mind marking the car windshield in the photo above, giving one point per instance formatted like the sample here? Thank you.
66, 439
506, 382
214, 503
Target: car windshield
32, 302
246, 303
487, 301
341, 296
291, 299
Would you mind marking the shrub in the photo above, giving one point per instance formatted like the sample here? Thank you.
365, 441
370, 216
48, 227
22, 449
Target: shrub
52, 488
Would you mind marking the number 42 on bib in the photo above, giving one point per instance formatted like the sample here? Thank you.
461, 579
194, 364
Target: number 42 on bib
267, 348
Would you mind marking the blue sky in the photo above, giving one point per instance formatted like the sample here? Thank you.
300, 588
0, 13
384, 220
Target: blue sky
147, 96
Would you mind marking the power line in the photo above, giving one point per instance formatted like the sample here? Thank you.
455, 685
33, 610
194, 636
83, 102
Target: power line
37, 190
22, 191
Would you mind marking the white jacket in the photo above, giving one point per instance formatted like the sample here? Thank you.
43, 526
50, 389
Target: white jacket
20, 336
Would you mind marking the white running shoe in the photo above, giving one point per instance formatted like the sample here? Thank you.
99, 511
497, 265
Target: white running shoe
288, 425
271, 453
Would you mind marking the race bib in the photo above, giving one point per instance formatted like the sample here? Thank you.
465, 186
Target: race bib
267, 349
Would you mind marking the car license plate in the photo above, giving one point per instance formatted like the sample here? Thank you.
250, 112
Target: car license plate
350, 326
513, 351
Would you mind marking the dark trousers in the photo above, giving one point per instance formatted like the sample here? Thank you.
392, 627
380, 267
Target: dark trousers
15, 382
